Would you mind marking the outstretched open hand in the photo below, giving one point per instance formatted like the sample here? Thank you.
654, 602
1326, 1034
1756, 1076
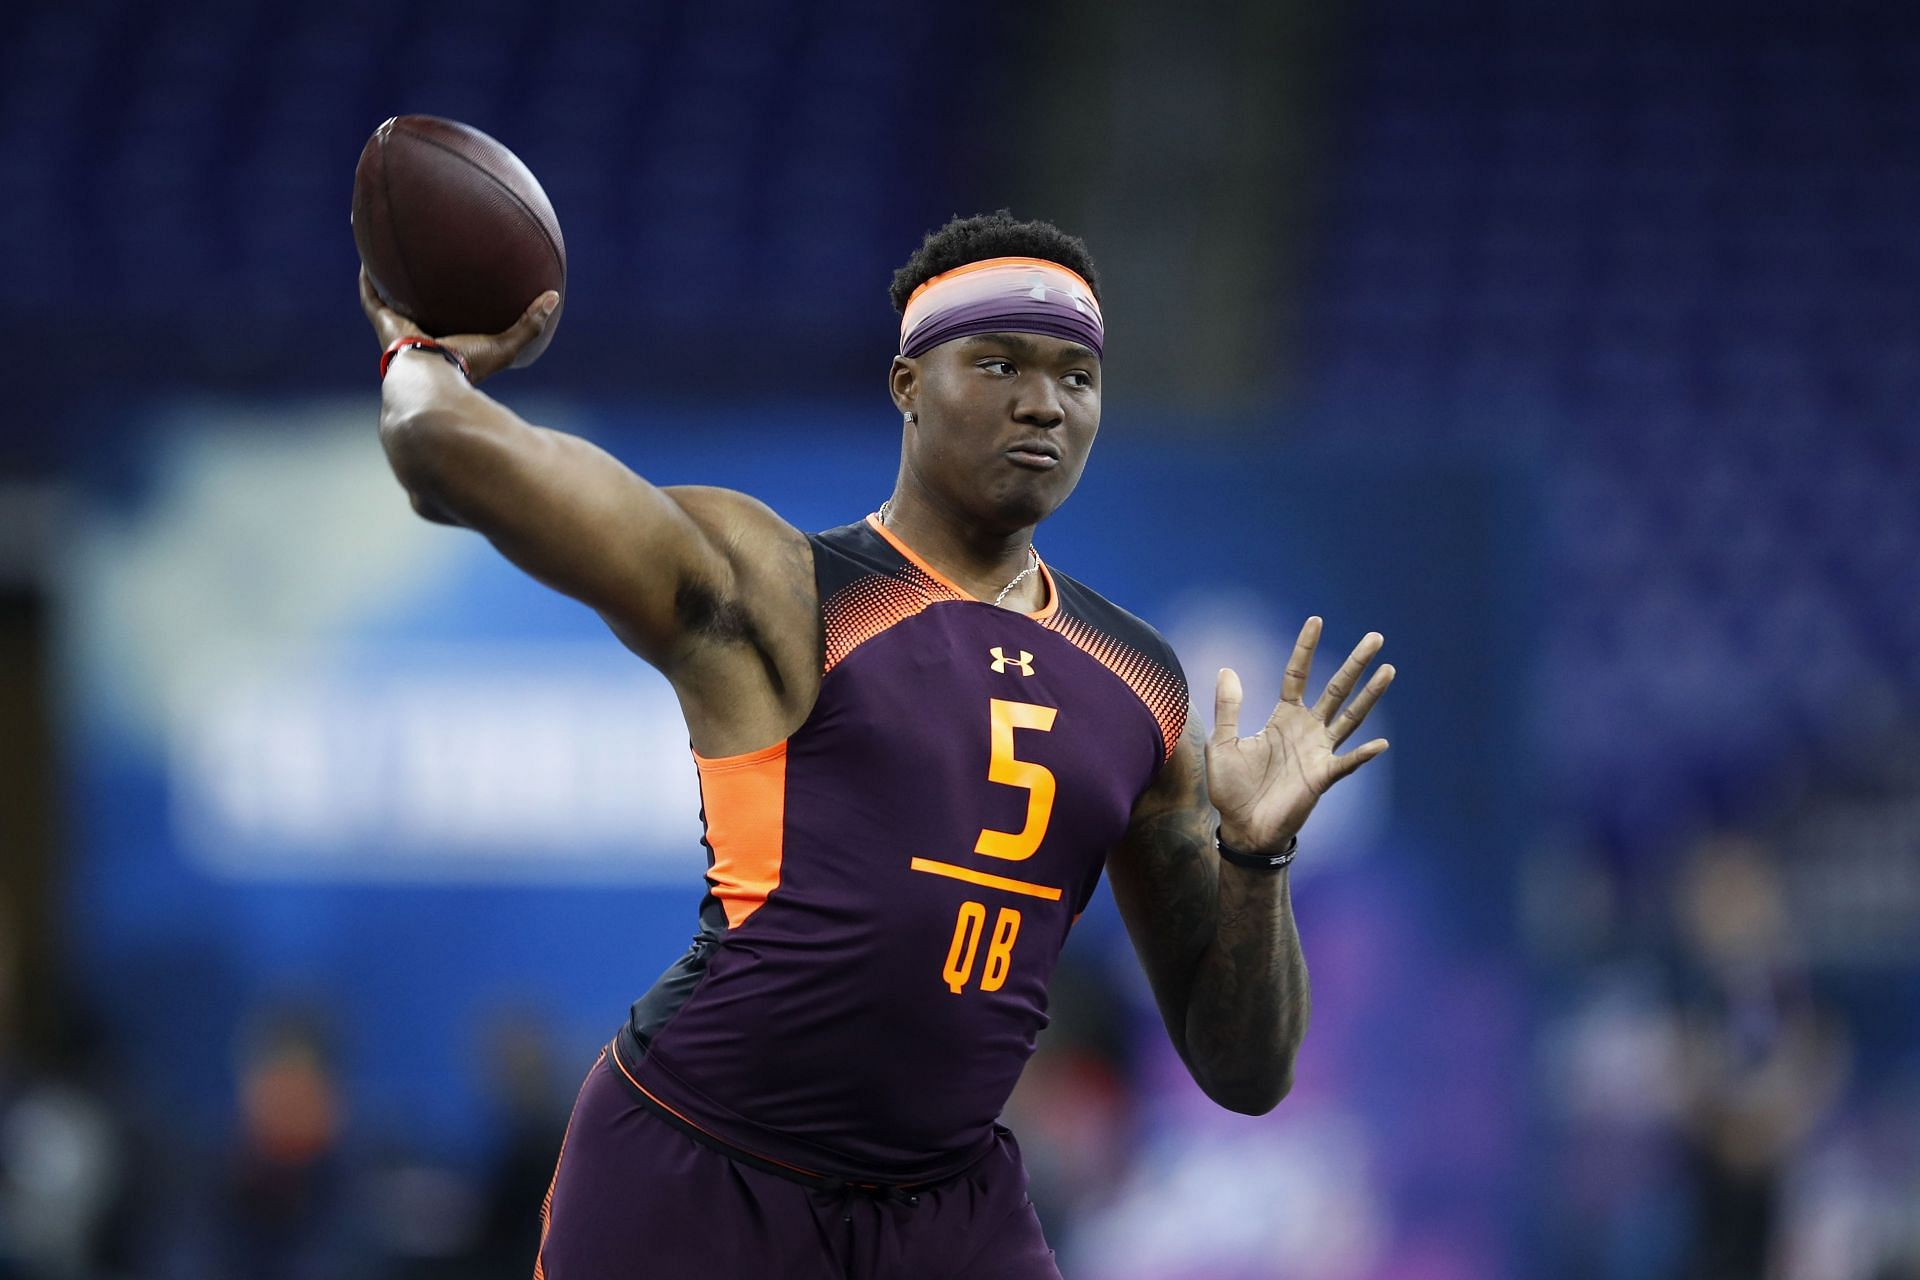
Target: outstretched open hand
1264, 786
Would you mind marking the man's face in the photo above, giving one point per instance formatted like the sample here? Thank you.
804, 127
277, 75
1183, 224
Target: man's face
1004, 422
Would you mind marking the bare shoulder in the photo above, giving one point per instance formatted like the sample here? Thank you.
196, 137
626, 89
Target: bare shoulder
749, 664
745, 530
769, 566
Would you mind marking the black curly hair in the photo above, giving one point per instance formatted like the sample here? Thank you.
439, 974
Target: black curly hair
990, 235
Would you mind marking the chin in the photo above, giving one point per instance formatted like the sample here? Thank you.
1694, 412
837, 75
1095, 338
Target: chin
1022, 509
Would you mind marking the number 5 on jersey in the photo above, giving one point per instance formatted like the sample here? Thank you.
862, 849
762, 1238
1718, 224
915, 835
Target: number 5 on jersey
1003, 766
961, 953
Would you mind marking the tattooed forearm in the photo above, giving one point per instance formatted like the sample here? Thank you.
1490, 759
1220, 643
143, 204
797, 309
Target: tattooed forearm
1248, 1007
1218, 944
1218, 939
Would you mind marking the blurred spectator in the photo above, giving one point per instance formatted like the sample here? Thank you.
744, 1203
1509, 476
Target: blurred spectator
63, 1155
1616, 1194
1760, 1063
531, 1115
1073, 1111
287, 1205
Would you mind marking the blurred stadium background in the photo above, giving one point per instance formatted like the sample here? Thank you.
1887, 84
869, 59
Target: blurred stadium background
1573, 346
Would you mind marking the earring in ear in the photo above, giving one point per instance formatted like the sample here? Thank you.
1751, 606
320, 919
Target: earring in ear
911, 417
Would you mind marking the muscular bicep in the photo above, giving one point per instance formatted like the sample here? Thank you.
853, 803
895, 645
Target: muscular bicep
1165, 880
579, 520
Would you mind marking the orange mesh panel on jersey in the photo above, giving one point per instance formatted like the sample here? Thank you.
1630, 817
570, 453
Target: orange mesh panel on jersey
940, 583
863, 609
1162, 692
745, 798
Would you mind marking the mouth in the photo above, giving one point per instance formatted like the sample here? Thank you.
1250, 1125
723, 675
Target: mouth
1038, 454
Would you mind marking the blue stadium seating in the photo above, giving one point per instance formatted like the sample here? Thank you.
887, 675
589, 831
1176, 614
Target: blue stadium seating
187, 162
1672, 254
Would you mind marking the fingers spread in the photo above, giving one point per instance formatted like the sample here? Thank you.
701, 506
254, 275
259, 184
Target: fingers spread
1343, 680
1226, 707
1293, 686
1343, 725
1346, 764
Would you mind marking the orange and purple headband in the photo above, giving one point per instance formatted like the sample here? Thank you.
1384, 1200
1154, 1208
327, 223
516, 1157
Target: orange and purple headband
1001, 295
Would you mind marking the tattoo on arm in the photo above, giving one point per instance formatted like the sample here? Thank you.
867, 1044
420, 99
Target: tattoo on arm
1166, 888
1218, 942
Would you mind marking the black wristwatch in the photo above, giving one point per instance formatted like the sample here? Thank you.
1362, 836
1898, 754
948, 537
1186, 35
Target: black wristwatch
1257, 861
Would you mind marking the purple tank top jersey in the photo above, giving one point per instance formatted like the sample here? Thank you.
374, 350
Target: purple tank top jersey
889, 888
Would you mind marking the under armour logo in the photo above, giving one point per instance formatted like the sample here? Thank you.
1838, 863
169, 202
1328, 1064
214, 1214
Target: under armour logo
1001, 661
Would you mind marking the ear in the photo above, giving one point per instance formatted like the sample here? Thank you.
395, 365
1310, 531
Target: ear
903, 383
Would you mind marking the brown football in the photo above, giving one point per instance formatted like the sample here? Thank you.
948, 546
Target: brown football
454, 230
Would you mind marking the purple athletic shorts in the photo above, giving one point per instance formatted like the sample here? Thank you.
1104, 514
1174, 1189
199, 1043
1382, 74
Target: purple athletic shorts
634, 1197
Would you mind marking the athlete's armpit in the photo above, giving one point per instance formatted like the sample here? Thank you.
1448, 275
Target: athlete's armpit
746, 661
1165, 880
558, 506
709, 585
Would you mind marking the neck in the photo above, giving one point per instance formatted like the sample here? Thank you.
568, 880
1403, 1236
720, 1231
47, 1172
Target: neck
980, 561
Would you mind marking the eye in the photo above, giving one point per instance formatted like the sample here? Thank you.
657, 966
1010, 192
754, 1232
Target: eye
998, 364
1081, 379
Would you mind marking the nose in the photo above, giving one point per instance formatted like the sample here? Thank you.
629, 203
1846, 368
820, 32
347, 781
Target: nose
1037, 402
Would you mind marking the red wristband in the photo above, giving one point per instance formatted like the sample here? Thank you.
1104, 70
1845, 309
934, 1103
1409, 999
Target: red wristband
424, 343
